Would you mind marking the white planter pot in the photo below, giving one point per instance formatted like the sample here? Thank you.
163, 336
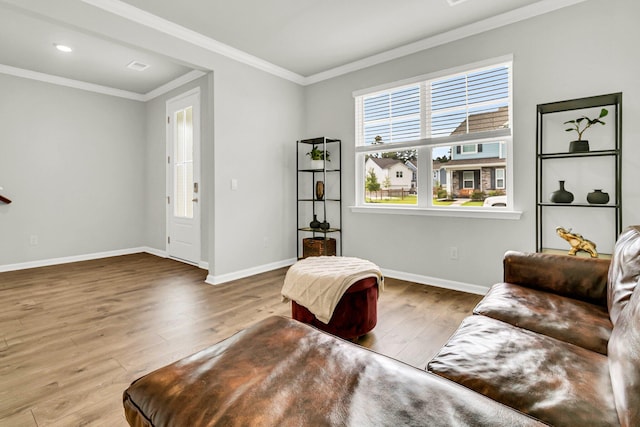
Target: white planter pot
317, 164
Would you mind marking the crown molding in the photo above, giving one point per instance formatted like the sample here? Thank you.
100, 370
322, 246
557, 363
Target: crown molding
105, 90
139, 16
182, 80
63, 81
150, 20
485, 25
147, 19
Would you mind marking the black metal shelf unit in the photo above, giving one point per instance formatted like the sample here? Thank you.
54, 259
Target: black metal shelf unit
329, 207
580, 160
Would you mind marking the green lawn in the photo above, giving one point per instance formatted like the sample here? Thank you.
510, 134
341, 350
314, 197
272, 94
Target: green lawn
409, 200
473, 203
413, 200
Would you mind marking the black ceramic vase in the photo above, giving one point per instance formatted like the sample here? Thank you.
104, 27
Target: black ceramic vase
561, 195
315, 223
597, 197
579, 146
324, 225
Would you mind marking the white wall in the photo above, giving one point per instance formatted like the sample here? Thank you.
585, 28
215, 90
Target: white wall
73, 164
257, 120
584, 50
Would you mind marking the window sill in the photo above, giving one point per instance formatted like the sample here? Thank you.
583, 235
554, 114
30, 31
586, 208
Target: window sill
482, 213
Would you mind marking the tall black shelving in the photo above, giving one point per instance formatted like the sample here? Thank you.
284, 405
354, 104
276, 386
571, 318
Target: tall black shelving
329, 208
576, 166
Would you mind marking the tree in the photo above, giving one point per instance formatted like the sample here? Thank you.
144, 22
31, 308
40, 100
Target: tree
372, 183
387, 182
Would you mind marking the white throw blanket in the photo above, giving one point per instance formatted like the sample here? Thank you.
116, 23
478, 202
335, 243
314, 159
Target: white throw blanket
318, 283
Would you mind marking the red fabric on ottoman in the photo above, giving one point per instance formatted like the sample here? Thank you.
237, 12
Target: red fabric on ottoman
355, 315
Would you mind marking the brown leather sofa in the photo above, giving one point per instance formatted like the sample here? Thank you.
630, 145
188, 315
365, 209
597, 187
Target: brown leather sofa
559, 339
558, 343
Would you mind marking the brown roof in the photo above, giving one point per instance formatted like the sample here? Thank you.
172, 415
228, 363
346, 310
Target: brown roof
384, 163
482, 122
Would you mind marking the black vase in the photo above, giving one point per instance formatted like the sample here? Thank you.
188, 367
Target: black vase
315, 223
324, 225
579, 146
597, 197
561, 195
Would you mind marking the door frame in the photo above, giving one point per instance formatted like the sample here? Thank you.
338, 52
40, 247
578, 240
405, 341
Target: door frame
193, 94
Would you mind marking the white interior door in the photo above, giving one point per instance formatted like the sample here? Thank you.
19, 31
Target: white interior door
183, 177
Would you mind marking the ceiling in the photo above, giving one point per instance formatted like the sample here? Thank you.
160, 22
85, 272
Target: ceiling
306, 40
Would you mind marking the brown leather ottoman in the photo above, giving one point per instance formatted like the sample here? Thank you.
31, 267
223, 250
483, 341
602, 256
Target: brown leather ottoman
355, 315
281, 372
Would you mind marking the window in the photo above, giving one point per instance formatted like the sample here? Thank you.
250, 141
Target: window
470, 148
468, 180
452, 130
500, 180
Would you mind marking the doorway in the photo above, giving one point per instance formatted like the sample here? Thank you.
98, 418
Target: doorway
183, 177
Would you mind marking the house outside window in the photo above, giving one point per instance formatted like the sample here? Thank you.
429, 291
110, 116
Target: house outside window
453, 127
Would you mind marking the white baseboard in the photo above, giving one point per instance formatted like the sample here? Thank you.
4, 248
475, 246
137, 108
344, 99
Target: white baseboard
156, 252
87, 257
434, 281
223, 278
68, 259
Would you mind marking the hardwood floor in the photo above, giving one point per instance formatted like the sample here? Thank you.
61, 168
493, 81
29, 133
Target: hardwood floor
74, 336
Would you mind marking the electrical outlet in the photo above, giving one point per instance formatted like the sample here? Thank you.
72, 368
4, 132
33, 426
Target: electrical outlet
33, 240
453, 252
266, 242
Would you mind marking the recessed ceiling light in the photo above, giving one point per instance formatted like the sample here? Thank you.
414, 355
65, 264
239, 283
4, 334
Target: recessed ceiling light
455, 2
137, 65
63, 48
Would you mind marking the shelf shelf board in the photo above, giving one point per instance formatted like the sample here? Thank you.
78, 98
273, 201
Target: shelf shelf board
578, 205
317, 141
581, 103
321, 200
318, 170
596, 153
318, 230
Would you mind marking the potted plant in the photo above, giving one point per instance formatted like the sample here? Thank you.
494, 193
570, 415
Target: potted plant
318, 157
580, 125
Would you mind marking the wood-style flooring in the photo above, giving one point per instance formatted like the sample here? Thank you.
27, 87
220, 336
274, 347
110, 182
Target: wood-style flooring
74, 336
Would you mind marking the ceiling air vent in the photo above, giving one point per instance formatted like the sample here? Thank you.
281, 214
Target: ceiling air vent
137, 65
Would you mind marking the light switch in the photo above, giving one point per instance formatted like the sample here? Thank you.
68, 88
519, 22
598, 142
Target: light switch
234, 184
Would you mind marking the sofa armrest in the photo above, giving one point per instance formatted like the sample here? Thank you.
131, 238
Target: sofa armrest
580, 278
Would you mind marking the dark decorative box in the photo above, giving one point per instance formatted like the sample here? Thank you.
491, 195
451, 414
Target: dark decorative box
316, 246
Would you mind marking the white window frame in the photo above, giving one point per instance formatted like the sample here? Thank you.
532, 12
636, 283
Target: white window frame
425, 146
473, 151
504, 180
465, 180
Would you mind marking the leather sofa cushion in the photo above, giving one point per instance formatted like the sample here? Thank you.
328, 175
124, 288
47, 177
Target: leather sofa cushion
624, 362
570, 276
281, 372
567, 319
559, 383
624, 272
